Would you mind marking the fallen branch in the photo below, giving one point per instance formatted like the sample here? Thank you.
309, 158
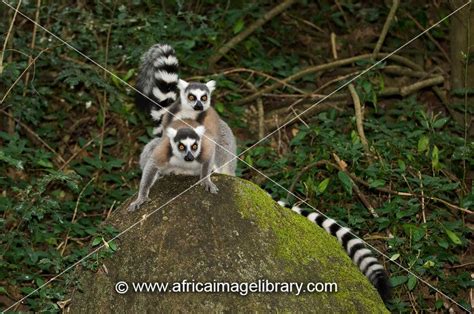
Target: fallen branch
359, 115
339, 101
271, 124
386, 26
407, 90
244, 34
324, 67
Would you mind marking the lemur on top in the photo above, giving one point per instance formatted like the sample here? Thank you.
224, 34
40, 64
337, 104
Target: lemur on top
158, 79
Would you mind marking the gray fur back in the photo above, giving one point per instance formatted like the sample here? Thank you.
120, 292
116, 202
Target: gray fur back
148, 150
226, 139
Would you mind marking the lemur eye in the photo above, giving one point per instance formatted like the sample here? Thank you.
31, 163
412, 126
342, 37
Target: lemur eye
204, 98
181, 147
194, 147
191, 97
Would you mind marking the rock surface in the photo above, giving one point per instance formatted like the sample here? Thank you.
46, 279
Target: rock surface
237, 235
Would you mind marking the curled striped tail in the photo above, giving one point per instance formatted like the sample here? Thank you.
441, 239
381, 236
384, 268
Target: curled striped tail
157, 83
355, 248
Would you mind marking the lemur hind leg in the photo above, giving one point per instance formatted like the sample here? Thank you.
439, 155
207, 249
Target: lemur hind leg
206, 171
149, 176
148, 151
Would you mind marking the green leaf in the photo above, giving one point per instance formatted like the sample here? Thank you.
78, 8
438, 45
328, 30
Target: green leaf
376, 183
113, 246
346, 181
96, 241
398, 280
423, 144
323, 185
411, 282
440, 123
238, 26
452, 236
394, 257
401, 165
428, 264
11, 161
128, 75
435, 158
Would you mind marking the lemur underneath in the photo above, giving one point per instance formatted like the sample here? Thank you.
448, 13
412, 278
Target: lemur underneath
355, 248
158, 79
185, 150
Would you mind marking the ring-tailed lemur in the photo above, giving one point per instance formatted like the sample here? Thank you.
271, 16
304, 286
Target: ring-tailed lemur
195, 104
355, 248
183, 150
158, 79
157, 83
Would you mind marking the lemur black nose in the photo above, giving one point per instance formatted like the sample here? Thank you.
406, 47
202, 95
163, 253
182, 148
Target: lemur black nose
198, 106
189, 157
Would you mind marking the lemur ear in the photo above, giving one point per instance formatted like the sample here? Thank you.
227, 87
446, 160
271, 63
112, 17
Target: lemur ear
171, 133
182, 84
200, 130
211, 85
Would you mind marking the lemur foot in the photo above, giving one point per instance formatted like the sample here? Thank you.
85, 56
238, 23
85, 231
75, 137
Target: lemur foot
210, 187
137, 204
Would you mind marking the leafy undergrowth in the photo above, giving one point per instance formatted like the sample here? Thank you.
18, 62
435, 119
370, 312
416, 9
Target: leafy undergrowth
70, 136
410, 156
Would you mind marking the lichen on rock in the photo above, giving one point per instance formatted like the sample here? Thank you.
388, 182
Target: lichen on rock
237, 235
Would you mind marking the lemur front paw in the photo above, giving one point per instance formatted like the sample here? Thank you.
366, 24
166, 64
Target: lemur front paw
210, 187
137, 204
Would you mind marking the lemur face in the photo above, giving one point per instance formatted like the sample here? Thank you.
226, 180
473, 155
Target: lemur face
186, 142
196, 96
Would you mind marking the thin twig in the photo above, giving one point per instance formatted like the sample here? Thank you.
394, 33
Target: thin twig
343, 167
333, 46
386, 26
249, 30
34, 136
7, 37
260, 111
33, 43
359, 115
338, 79
104, 97
73, 219
461, 265
422, 199
434, 41
251, 71
22, 73
304, 170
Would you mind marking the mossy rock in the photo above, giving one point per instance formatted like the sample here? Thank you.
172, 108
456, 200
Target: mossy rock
237, 235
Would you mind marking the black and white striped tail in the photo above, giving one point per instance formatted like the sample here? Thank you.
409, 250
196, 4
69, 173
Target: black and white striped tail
158, 80
355, 248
